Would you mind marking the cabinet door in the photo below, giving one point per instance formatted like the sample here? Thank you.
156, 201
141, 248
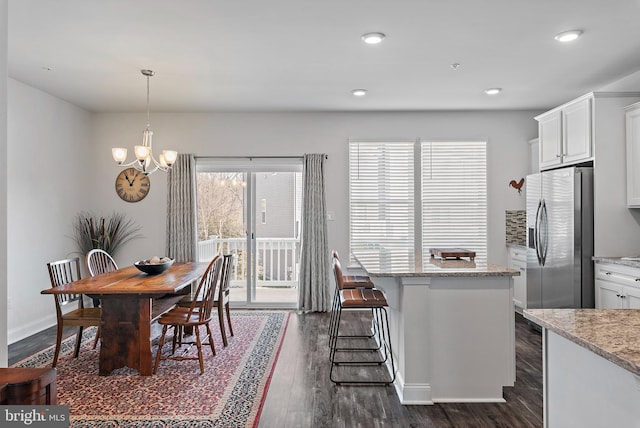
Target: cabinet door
576, 130
633, 156
631, 298
608, 295
550, 139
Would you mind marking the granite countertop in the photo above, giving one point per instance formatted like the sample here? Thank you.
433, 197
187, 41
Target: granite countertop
613, 334
619, 261
377, 263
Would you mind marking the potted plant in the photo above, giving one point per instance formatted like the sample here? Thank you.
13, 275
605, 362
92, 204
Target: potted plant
107, 233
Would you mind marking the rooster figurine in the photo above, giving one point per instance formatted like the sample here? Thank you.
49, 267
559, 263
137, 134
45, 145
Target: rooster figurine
517, 185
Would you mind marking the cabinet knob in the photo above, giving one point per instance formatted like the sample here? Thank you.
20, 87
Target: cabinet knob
617, 295
637, 279
607, 273
623, 297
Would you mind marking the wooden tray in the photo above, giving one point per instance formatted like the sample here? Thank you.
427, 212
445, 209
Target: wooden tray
452, 253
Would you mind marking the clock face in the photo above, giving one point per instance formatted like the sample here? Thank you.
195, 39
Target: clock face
132, 185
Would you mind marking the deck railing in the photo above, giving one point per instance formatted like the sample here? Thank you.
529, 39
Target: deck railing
277, 259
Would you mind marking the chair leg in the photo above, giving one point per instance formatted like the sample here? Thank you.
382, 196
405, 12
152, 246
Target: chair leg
76, 352
222, 329
199, 345
95, 341
58, 342
211, 344
159, 351
228, 310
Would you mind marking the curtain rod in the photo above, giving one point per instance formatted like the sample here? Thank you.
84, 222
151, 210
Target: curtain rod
253, 157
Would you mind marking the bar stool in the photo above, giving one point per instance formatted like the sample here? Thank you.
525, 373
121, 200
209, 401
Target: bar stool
375, 300
345, 282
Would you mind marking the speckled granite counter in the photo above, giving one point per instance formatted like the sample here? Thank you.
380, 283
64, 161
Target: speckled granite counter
618, 261
613, 334
591, 370
376, 263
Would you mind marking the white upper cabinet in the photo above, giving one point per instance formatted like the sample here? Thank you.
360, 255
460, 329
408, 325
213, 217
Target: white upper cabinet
565, 134
632, 118
576, 128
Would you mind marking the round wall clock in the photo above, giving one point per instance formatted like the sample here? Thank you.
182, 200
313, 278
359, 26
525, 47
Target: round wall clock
132, 185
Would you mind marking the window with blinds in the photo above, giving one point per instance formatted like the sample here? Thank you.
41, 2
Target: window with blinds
442, 198
454, 195
381, 198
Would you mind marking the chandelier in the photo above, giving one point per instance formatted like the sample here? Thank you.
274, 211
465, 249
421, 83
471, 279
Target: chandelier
145, 162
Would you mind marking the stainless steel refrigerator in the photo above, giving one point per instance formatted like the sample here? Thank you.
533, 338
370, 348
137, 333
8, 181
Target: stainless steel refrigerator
560, 238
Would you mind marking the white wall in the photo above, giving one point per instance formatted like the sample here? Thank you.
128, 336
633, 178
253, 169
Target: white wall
3, 184
289, 134
49, 180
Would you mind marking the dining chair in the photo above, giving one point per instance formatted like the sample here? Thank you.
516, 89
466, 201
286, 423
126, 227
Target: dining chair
198, 314
63, 272
222, 297
99, 262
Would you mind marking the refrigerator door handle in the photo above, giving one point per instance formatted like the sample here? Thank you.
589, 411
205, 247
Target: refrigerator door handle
544, 232
536, 234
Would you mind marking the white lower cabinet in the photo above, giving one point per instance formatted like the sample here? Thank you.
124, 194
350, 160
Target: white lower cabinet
617, 286
518, 261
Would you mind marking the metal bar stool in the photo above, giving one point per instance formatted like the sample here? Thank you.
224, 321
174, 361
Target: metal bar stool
363, 299
345, 282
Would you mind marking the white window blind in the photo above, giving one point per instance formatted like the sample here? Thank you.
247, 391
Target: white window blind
381, 196
454, 196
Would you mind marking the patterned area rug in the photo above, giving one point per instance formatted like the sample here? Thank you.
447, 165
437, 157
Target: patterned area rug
230, 393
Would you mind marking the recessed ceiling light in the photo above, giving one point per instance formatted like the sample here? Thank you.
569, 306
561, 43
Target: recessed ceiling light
493, 91
568, 36
373, 38
359, 92
455, 66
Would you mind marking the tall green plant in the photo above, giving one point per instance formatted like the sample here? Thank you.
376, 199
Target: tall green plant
106, 233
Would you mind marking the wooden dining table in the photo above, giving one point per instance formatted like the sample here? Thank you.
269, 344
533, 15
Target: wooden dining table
131, 300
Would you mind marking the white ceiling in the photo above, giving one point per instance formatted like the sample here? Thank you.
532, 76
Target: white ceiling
257, 55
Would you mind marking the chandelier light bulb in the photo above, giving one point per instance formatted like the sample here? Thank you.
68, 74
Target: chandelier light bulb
493, 91
359, 92
119, 154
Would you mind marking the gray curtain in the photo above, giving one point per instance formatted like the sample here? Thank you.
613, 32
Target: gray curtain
313, 285
181, 210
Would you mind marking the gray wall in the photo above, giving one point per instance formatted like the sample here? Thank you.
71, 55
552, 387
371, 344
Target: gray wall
50, 176
287, 134
3, 183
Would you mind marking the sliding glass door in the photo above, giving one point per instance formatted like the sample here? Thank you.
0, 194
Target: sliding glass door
251, 208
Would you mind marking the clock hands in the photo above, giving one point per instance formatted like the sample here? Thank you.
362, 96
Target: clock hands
127, 177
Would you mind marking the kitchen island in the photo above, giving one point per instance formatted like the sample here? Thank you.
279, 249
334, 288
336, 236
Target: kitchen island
452, 326
591, 366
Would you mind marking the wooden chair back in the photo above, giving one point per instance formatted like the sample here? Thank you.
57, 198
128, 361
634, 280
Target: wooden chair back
206, 289
63, 272
99, 262
223, 290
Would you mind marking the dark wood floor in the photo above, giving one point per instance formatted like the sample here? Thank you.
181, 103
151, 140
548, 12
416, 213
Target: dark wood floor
301, 394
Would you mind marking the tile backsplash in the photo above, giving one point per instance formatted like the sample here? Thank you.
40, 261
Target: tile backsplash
516, 227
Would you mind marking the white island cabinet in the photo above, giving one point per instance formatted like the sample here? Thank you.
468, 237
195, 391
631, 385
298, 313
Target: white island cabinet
452, 327
591, 367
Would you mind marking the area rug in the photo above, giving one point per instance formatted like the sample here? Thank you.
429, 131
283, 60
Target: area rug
230, 393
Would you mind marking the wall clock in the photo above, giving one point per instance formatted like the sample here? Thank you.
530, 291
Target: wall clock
132, 185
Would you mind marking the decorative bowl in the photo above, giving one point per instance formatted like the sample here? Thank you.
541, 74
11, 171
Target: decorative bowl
154, 266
